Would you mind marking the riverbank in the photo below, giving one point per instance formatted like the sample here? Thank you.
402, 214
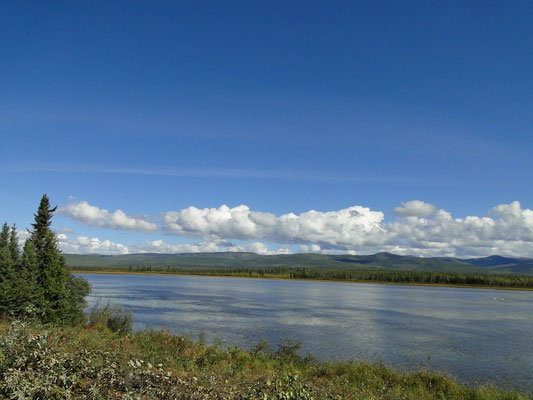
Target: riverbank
257, 275
93, 362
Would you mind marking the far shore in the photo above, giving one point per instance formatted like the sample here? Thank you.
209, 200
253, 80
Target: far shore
162, 273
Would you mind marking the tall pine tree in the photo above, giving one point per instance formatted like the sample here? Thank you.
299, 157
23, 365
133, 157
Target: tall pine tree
39, 277
31, 293
54, 278
14, 245
18, 287
63, 295
4, 236
6, 271
41, 226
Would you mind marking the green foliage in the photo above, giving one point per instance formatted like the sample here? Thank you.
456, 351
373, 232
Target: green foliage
29, 270
400, 277
112, 317
39, 278
41, 226
4, 236
50, 362
255, 262
288, 349
7, 271
13, 245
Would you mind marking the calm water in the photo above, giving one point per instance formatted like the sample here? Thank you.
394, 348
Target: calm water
475, 335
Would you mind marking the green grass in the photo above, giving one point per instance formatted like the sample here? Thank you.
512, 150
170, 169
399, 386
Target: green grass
92, 362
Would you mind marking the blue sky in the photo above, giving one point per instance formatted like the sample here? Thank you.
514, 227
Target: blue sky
284, 107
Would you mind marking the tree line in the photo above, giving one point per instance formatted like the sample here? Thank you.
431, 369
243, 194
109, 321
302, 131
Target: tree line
414, 277
36, 281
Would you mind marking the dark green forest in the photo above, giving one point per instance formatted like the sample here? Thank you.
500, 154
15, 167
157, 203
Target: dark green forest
35, 281
241, 260
399, 277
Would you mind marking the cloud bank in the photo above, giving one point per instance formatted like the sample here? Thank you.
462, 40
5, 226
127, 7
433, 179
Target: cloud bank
84, 244
415, 227
94, 245
89, 215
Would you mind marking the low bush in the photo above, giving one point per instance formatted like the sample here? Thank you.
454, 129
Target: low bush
91, 362
112, 317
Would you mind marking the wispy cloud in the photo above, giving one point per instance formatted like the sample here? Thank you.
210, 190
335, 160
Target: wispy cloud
283, 175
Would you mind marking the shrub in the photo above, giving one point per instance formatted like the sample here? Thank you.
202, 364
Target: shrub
112, 317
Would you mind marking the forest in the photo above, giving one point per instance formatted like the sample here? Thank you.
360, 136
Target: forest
396, 277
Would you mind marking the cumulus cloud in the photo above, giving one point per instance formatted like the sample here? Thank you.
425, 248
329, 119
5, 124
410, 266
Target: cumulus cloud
86, 245
354, 226
419, 228
94, 245
415, 208
91, 215
160, 246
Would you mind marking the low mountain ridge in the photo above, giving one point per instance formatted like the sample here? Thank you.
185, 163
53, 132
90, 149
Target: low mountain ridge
243, 260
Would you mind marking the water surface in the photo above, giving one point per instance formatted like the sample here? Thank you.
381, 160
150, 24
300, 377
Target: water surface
474, 335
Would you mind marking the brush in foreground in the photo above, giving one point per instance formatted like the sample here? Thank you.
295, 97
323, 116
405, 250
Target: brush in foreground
92, 362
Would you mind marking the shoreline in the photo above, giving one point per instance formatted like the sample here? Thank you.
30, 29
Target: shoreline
175, 366
160, 273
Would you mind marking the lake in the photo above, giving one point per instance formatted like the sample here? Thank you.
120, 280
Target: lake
474, 335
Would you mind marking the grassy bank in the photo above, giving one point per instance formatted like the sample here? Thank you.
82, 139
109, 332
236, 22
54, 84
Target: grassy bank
92, 362
391, 277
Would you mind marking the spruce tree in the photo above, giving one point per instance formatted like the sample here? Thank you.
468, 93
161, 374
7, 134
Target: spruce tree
29, 266
14, 245
39, 277
18, 287
30, 292
4, 236
6, 271
41, 227
54, 278
58, 301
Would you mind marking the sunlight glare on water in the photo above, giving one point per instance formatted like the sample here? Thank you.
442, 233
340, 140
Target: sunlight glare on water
475, 335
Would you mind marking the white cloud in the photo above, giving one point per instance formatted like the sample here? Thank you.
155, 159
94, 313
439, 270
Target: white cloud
90, 215
64, 229
420, 228
415, 208
22, 235
354, 226
159, 246
86, 245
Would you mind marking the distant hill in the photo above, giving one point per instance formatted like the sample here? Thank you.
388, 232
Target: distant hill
238, 260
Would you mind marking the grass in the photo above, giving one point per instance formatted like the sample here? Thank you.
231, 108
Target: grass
93, 362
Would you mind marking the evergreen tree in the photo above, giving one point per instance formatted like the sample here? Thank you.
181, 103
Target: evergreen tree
77, 289
39, 277
41, 227
6, 271
28, 263
4, 236
30, 292
18, 287
54, 278
63, 296
14, 245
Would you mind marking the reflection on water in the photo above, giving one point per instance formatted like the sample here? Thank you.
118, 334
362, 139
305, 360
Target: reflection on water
475, 335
